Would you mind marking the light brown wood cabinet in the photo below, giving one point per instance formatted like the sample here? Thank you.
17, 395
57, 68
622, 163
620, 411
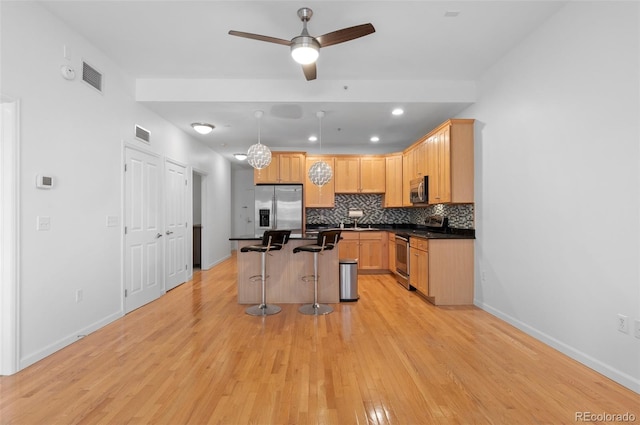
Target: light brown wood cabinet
364, 174
285, 167
370, 248
315, 196
393, 181
442, 270
450, 162
419, 265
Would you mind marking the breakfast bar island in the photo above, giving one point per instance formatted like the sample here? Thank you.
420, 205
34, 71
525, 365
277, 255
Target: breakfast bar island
285, 271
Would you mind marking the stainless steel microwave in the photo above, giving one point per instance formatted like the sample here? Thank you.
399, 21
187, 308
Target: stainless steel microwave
419, 190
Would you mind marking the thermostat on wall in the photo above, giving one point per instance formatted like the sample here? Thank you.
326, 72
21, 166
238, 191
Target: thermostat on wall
44, 182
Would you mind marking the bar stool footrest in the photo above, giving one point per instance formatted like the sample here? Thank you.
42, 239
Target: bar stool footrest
257, 278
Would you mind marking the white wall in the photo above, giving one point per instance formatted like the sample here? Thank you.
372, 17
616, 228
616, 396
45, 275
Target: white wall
75, 134
557, 185
243, 203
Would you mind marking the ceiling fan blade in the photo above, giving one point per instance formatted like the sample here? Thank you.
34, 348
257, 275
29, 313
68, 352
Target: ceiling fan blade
345, 34
309, 71
260, 37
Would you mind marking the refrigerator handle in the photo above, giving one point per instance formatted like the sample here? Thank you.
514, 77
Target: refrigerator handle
274, 207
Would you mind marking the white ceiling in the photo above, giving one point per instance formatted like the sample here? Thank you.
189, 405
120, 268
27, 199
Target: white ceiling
189, 69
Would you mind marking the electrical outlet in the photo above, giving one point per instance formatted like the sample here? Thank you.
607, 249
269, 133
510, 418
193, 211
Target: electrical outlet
623, 323
79, 295
636, 331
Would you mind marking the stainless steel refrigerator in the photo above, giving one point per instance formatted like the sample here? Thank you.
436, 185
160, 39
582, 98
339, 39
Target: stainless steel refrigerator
278, 207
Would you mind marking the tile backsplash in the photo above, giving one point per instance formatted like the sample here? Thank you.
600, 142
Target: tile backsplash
460, 215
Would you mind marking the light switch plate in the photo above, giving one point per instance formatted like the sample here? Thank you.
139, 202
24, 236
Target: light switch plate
112, 221
43, 223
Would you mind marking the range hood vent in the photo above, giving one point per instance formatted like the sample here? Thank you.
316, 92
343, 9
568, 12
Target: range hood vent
91, 76
143, 134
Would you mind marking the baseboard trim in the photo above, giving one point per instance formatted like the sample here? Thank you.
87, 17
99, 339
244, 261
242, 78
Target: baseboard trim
215, 263
68, 340
607, 370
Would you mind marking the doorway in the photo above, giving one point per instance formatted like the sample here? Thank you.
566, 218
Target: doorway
198, 195
9, 236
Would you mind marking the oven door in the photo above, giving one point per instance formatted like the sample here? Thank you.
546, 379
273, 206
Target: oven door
402, 260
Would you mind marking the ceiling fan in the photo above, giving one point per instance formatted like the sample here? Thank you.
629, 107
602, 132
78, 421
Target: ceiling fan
305, 48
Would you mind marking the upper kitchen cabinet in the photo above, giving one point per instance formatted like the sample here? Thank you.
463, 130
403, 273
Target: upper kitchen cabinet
364, 174
393, 181
316, 196
285, 167
449, 153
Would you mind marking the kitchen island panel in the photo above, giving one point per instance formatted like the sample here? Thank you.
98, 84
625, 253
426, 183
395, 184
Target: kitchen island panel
285, 271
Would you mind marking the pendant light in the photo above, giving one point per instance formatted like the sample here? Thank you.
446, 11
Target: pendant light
259, 155
320, 172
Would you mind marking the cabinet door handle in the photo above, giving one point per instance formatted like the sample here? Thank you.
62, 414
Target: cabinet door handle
169, 232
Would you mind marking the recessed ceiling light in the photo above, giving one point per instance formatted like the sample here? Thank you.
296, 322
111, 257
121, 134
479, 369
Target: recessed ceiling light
313, 138
375, 139
240, 156
397, 111
202, 128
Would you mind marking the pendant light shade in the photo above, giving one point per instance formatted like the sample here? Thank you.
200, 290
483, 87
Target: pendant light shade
259, 155
320, 173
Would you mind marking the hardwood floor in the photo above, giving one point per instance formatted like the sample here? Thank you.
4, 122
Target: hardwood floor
195, 357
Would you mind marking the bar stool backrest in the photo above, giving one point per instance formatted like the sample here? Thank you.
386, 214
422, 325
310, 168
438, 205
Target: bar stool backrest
328, 237
275, 237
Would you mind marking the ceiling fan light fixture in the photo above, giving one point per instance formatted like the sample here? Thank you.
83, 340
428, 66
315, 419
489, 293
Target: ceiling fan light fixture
305, 49
202, 128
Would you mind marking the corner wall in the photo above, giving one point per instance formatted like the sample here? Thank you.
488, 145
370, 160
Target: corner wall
557, 186
75, 134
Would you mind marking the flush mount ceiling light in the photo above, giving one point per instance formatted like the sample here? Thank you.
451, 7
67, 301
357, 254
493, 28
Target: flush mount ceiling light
203, 128
240, 156
313, 138
397, 111
374, 139
320, 172
259, 155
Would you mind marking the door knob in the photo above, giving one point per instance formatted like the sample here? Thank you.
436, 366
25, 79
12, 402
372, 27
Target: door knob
169, 232
159, 235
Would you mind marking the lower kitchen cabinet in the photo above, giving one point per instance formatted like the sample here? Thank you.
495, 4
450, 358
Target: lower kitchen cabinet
370, 248
442, 270
419, 265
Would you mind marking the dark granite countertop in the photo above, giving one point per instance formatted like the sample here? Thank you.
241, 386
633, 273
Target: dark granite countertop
410, 229
294, 236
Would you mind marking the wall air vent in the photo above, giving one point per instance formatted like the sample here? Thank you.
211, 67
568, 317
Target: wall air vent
143, 134
91, 76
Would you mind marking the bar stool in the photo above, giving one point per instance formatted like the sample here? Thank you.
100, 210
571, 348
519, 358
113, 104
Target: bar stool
272, 240
327, 239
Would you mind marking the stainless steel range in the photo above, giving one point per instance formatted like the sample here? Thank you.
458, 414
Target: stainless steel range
433, 224
402, 259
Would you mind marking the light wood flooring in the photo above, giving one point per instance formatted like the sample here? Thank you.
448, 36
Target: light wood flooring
195, 357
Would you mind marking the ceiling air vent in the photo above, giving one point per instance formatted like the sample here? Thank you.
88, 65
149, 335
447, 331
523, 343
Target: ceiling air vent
142, 134
91, 76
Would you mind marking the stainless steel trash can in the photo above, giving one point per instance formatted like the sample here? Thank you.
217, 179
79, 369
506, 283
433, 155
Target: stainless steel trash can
348, 280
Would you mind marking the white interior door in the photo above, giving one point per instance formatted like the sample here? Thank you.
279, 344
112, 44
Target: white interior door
143, 229
176, 224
